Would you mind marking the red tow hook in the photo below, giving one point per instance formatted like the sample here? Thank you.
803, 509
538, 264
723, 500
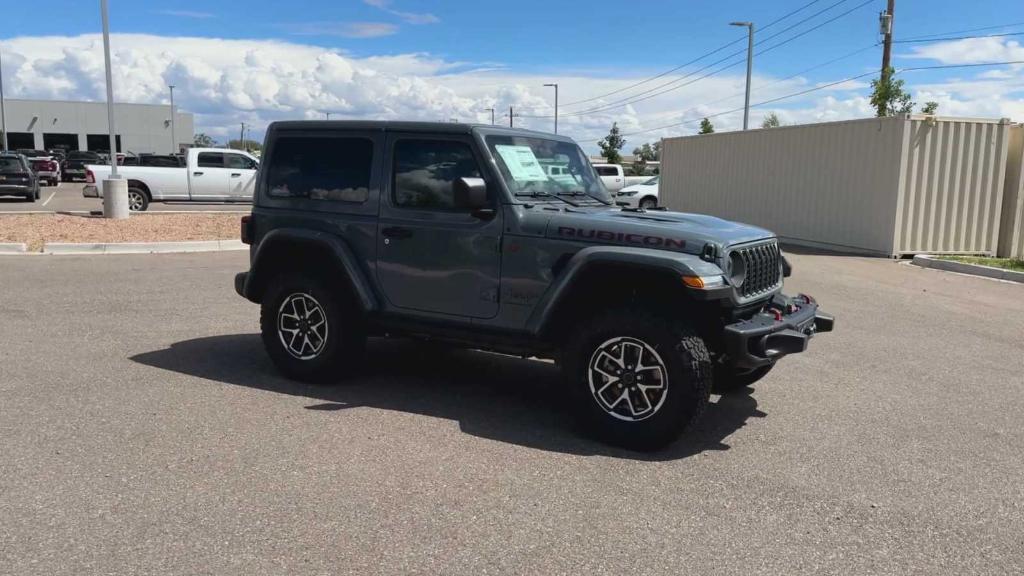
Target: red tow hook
807, 298
777, 313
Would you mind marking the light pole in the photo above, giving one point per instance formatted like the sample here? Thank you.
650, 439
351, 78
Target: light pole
750, 67
3, 111
491, 110
115, 188
174, 141
556, 104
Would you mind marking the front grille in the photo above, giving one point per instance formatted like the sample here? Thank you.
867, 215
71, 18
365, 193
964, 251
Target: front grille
763, 270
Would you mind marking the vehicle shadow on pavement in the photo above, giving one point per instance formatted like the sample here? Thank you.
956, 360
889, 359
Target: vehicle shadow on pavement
491, 395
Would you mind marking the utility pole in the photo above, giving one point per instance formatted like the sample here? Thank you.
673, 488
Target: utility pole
750, 68
556, 104
491, 110
174, 140
241, 138
510, 116
328, 114
3, 111
885, 27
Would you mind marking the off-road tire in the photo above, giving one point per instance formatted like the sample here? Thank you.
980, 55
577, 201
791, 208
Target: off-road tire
727, 380
344, 343
684, 358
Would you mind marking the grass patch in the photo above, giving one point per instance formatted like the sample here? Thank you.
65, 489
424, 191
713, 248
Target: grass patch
1007, 263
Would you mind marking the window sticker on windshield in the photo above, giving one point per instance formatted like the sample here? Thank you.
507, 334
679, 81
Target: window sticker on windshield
522, 164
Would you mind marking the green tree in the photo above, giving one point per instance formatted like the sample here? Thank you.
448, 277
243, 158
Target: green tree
706, 127
888, 96
251, 145
643, 155
930, 108
611, 144
203, 141
771, 121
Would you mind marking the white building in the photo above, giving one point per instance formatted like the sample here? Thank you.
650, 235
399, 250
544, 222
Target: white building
48, 124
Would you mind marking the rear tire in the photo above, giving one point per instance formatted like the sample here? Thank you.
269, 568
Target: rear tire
727, 381
138, 200
311, 329
637, 380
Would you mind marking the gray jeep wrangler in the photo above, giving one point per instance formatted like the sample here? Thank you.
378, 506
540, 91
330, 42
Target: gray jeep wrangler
506, 240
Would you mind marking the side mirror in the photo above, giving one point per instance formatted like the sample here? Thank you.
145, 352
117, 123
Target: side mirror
470, 193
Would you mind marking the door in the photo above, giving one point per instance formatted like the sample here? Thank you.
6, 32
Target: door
208, 179
241, 176
433, 255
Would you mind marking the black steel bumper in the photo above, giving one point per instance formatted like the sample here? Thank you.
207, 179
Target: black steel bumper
783, 328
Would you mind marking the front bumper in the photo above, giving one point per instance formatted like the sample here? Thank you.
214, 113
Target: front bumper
91, 191
15, 189
627, 201
783, 328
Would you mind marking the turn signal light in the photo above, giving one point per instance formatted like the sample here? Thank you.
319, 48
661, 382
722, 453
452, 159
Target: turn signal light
703, 282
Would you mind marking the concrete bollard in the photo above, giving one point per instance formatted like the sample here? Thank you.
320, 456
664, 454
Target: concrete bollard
115, 198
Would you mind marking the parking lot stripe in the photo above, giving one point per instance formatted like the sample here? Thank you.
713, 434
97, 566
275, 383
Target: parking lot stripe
52, 194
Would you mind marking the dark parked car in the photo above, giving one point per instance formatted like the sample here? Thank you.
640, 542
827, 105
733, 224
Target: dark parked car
456, 233
77, 159
17, 177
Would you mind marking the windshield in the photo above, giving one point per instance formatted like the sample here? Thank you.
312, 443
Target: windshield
542, 167
10, 164
652, 181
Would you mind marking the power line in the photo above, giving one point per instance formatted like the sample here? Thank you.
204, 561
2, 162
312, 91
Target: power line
695, 60
958, 38
664, 88
822, 87
967, 31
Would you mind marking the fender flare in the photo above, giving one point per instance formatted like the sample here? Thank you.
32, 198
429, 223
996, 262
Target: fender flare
675, 263
339, 250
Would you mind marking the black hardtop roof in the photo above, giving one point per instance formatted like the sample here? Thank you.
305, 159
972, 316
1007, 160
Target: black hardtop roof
407, 126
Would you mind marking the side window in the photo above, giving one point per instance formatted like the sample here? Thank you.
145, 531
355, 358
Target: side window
425, 171
239, 162
211, 160
607, 171
332, 168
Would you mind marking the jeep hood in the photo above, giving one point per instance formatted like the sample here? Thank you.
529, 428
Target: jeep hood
677, 231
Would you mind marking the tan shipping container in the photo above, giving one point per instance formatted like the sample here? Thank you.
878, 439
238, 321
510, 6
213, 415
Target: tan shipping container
1011, 235
887, 186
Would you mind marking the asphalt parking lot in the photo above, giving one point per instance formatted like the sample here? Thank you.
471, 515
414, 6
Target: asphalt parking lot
67, 197
143, 430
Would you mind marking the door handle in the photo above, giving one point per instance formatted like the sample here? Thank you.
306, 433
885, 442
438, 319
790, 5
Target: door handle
396, 232
197, 173
235, 174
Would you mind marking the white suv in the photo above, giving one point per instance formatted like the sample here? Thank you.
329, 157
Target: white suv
643, 195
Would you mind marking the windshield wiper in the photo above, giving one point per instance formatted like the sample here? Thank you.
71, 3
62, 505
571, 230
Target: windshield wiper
539, 194
582, 193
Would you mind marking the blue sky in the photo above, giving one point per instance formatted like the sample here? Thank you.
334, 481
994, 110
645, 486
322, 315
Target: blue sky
492, 54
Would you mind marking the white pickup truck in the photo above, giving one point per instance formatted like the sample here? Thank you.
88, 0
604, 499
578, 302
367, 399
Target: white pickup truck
615, 179
209, 175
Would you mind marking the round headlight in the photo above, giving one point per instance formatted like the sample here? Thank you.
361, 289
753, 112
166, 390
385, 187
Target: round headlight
737, 269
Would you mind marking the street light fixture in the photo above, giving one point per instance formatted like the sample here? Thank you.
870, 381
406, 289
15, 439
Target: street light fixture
556, 104
750, 67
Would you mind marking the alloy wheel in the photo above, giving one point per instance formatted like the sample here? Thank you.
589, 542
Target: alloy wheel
628, 378
135, 200
302, 326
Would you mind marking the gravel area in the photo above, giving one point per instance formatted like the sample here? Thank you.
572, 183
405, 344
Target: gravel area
37, 229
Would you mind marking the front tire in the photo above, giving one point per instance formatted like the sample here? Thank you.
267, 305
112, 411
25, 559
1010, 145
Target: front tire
311, 329
138, 200
648, 203
637, 380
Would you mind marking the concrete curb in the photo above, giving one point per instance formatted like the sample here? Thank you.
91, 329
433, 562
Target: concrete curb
144, 247
12, 248
972, 269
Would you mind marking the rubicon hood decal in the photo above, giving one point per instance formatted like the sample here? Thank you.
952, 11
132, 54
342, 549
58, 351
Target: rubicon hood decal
621, 237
